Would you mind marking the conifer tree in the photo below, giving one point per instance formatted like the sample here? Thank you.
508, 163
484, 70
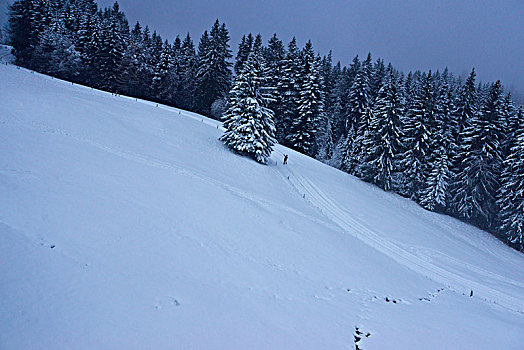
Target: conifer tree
358, 118
274, 55
464, 107
464, 114
329, 79
417, 138
482, 164
339, 93
307, 125
434, 193
347, 150
326, 143
508, 124
352, 71
382, 143
107, 49
213, 76
86, 28
510, 197
244, 48
258, 46
132, 62
185, 95
20, 28
376, 79
55, 54
248, 122
358, 100
288, 91
155, 49
164, 76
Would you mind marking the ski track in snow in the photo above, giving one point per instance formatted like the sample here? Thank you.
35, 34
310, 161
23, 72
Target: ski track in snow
417, 262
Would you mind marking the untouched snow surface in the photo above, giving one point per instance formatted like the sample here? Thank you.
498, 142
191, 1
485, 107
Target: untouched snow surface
127, 225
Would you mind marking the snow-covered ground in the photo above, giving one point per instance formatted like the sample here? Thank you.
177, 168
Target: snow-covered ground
125, 225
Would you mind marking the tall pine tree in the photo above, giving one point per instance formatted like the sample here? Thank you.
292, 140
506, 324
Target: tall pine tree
417, 138
288, 91
511, 193
248, 122
383, 141
434, 193
483, 162
307, 125
188, 60
213, 76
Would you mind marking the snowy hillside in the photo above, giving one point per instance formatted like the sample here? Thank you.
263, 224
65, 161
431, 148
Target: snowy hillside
127, 225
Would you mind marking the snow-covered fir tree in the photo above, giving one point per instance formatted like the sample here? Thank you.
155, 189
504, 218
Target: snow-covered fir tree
86, 29
213, 76
343, 79
244, 49
434, 193
465, 106
332, 109
358, 118
274, 56
24, 25
376, 79
258, 46
358, 98
417, 138
56, 54
288, 90
329, 78
164, 83
112, 48
130, 79
508, 124
382, 142
306, 127
483, 162
464, 114
250, 129
511, 192
326, 143
186, 86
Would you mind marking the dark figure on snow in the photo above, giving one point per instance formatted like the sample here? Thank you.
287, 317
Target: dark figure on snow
285, 158
471, 293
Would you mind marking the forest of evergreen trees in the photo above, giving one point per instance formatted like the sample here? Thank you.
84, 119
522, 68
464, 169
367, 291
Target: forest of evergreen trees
452, 145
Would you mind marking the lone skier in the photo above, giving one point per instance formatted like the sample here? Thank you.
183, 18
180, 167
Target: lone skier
285, 159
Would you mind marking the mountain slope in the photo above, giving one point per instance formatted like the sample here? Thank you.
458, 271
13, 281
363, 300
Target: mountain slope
127, 225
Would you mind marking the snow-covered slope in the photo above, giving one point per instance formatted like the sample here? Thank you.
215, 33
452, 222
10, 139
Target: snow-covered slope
5, 54
127, 225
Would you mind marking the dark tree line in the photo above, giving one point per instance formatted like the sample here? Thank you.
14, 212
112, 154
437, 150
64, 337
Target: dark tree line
74, 40
453, 146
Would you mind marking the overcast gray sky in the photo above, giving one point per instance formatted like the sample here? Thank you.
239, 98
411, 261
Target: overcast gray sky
412, 34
